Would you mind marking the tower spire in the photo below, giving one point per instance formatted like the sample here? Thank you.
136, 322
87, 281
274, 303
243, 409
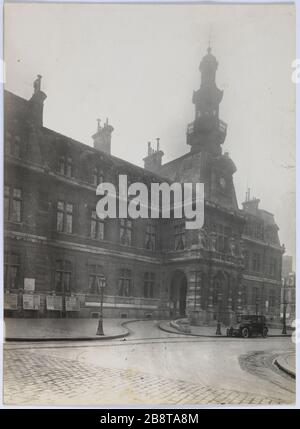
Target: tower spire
207, 132
209, 41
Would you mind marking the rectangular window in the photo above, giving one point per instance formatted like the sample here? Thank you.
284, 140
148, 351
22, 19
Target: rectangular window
63, 275
69, 167
258, 231
125, 282
15, 148
60, 216
69, 218
96, 279
11, 270
6, 203
16, 205
273, 267
150, 238
125, 231
246, 259
12, 204
97, 227
256, 262
64, 217
222, 238
180, 236
149, 282
61, 165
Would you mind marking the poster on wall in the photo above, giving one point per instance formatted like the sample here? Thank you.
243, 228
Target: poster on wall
29, 284
31, 302
10, 301
54, 302
72, 303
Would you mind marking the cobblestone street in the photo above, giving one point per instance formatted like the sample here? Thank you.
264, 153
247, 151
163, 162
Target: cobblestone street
35, 378
91, 375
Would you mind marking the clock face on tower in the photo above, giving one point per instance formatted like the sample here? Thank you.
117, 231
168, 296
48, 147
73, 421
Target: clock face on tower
222, 182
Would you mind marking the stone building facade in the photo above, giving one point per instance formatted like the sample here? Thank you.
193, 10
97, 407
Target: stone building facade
58, 252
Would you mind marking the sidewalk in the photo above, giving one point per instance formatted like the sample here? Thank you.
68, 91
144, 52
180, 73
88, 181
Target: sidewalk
62, 329
210, 331
287, 363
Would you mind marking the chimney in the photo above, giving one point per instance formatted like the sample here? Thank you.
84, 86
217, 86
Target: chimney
250, 205
102, 138
152, 161
36, 103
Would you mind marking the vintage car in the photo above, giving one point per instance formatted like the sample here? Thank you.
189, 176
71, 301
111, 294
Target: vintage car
248, 325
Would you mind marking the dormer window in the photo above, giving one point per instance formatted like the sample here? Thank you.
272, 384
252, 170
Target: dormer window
13, 145
98, 176
65, 166
69, 167
61, 165
15, 148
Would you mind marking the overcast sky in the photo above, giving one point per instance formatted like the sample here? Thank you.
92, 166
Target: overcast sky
138, 66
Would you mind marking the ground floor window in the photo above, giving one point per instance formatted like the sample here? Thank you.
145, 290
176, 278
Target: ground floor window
12, 264
149, 282
96, 279
125, 282
63, 275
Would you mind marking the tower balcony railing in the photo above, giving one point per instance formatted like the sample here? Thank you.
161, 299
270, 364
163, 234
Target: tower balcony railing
222, 126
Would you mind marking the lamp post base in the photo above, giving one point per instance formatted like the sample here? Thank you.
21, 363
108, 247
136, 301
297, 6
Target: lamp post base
284, 330
100, 328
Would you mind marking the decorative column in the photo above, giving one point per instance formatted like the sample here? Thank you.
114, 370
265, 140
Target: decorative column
229, 300
239, 307
194, 310
210, 309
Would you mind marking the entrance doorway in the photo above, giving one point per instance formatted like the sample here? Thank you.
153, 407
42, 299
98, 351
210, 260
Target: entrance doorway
178, 291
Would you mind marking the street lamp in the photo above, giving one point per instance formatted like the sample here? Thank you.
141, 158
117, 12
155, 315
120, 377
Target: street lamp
101, 283
256, 306
218, 331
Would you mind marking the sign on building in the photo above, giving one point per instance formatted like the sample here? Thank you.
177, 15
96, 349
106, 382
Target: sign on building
31, 302
29, 285
72, 303
54, 302
10, 301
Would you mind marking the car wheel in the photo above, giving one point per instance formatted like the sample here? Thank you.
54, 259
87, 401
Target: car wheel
245, 333
265, 332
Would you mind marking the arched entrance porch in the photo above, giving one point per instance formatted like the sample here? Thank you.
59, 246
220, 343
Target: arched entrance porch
178, 291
